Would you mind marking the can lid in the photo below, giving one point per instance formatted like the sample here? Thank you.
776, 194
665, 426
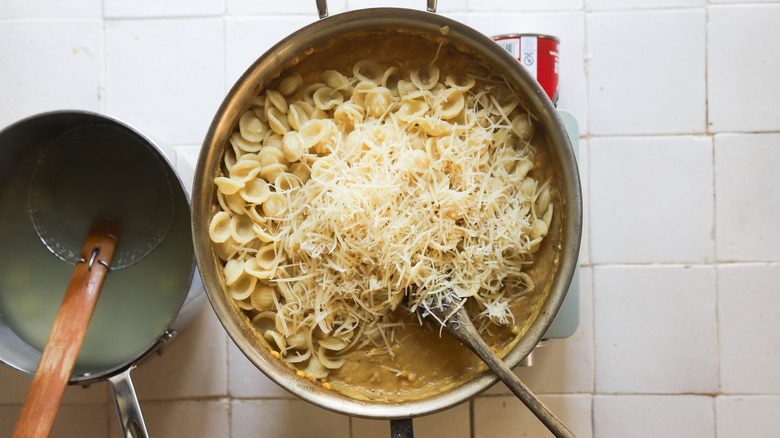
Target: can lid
517, 35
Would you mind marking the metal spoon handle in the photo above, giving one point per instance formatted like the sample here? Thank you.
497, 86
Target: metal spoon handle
467, 334
522, 392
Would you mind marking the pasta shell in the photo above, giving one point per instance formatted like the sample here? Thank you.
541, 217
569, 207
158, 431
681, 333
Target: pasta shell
297, 340
277, 100
299, 113
277, 120
449, 103
333, 343
262, 297
412, 109
271, 171
293, 146
285, 181
347, 116
274, 205
312, 132
273, 141
277, 339
234, 268
301, 171
461, 81
329, 362
255, 191
425, 78
271, 155
433, 126
266, 257
263, 234
523, 127
308, 93
290, 84
251, 128
241, 229
538, 229
405, 87
334, 79
265, 321
219, 230
360, 90
244, 170
244, 304
228, 186
243, 287
327, 98
390, 80
367, 70
251, 268
378, 101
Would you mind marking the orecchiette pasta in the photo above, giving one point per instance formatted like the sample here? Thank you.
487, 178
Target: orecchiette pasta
327, 98
426, 77
341, 192
298, 114
378, 100
290, 84
255, 191
251, 129
367, 70
334, 79
277, 120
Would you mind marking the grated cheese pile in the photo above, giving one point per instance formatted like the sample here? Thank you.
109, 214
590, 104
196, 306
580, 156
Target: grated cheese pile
415, 185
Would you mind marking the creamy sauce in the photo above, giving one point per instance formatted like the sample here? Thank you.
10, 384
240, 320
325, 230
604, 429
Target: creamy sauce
423, 363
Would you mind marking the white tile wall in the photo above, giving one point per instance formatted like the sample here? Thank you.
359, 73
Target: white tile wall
660, 57
651, 199
165, 76
677, 102
747, 203
748, 313
741, 416
506, 416
648, 416
743, 96
667, 338
61, 68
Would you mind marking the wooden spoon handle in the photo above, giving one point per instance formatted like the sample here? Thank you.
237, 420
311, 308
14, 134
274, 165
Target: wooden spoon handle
59, 356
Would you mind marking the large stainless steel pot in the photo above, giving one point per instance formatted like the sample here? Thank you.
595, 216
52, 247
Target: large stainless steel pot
314, 38
141, 309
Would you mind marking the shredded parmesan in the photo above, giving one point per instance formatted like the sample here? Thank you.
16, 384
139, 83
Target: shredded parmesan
415, 191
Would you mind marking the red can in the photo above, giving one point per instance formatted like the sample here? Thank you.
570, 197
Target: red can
538, 54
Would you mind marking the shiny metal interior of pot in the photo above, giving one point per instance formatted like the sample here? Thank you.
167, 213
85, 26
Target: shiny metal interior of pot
140, 308
564, 243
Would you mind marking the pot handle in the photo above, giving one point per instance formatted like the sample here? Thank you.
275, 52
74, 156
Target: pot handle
401, 428
127, 407
322, 7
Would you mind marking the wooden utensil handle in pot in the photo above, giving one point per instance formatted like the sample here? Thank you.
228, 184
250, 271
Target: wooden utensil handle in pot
59, 356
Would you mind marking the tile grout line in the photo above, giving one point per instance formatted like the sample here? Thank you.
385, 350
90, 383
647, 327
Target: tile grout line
715, 251
587, 137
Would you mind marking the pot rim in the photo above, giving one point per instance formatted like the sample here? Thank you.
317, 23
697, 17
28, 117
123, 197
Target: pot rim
261, 72
168, 333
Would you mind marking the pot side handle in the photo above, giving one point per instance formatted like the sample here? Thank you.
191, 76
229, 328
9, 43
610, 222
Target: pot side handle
322, 7
127, 407
401, 428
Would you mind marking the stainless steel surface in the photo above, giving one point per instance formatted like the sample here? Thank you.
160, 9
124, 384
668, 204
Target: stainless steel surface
20, 146
322, 7
110, 173
270, 65
127, 408
452, 317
